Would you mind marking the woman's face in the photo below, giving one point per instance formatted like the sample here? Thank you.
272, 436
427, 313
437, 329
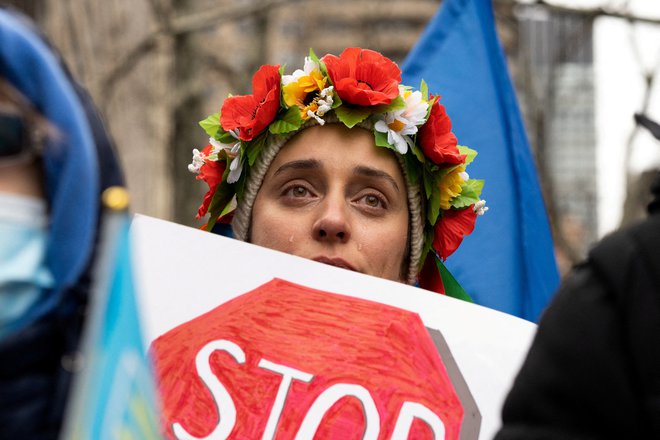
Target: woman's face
332, 196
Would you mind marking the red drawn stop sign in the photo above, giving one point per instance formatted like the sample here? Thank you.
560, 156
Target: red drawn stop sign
286, 361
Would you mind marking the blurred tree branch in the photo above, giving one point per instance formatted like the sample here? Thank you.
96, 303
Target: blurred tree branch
172, 25
207, 19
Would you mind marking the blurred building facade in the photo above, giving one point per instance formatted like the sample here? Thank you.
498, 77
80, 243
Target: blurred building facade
555, 83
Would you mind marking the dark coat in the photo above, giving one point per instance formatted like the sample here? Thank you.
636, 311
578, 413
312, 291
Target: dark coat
37, 361
593, 370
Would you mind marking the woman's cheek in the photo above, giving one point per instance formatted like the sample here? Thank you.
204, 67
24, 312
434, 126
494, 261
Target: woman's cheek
280, 234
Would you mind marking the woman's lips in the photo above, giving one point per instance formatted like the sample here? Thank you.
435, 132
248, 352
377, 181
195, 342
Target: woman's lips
337, 262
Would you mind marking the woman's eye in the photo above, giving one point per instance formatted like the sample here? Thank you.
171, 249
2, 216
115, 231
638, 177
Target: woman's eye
373, 201
298, 191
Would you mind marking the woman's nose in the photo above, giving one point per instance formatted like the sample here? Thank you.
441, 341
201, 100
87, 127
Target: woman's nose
332, 223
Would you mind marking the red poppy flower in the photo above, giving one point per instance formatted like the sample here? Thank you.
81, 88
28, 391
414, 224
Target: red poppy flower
451, 228
436, 139
363, 77
211, 173
251, 114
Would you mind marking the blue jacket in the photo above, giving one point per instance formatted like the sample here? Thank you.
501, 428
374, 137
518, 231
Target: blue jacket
36, 361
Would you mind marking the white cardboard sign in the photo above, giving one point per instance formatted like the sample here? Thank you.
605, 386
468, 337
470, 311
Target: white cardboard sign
174, 266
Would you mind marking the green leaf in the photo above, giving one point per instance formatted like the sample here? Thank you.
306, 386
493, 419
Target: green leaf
381, 140
442, 172
352, 116
313, 57
397, 103
476, 185
211, 223
412, 168
419, 154
225, 137
336, 100
321, 64
229, 207
428, 110
470, 194
452, 288
211, 124
426, 248
242, 181
222, 197
288, 122
281, 72
223, 155
429, 183
424, 90
469, 152
254, 148
434, 205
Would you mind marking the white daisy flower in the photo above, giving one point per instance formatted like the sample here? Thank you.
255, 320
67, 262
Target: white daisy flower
232, 148
308, 67
235, 169
400, 124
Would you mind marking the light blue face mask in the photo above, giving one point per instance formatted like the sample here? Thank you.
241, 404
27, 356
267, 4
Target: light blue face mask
23, 274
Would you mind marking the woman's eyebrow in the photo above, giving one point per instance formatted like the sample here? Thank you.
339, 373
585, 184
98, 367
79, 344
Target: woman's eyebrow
375, 172
304, 164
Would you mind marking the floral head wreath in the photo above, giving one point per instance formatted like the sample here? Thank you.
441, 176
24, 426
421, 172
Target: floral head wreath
357, 87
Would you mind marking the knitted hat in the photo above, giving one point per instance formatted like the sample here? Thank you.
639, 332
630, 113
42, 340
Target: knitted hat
360, 89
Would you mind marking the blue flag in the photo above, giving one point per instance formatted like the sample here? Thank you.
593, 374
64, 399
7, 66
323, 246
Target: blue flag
114, 396
508, 262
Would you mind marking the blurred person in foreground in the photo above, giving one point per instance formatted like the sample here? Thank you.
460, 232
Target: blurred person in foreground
593, 371
55, 160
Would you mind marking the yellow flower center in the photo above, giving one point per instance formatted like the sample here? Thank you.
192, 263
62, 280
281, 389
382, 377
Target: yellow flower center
295, 93
396, 125
313, 106
450, 187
